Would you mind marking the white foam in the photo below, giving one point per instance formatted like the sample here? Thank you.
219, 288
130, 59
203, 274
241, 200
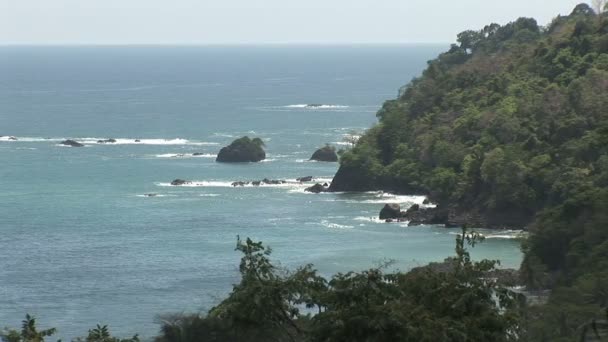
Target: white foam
311, 106
383, 198
28, 139
151, 195
209, 195
185, 155
497, 234
119, 141
224, 184
130, 141
507, 234
368, 219
328, 224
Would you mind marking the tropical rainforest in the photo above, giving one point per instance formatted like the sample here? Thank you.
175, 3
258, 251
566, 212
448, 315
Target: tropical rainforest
510, 125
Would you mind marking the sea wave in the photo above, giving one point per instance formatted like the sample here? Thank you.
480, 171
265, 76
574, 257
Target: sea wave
28, 139
185, 155
152, 195
224, 184
374, 219
316, 106
332, 225
117, 141
154, 141
501, 234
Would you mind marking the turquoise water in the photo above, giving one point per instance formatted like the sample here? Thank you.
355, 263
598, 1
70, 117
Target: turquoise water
81, 244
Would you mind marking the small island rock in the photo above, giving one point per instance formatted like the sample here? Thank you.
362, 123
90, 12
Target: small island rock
242, 150
325, 154
106, 141
390, 211
179, 182
71, 143
317, 188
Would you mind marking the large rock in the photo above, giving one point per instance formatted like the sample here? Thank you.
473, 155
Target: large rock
325, 154
423, 216
107, 141
242, 150
71, 143
317, 188
390, 211
179, 182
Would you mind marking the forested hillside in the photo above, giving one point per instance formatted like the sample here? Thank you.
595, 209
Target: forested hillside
510, 128
509, 121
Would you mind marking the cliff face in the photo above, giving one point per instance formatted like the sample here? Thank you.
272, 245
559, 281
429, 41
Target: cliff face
511, 120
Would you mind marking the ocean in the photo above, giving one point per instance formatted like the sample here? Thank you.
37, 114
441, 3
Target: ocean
82, 244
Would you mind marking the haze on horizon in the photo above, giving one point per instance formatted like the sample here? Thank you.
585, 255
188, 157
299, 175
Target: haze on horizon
258, 22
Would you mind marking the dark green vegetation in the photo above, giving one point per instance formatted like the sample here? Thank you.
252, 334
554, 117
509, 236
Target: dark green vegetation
30, 333
508, 122
242, 150
508, 127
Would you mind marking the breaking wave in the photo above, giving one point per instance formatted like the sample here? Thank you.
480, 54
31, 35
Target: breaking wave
316, 106
117, 141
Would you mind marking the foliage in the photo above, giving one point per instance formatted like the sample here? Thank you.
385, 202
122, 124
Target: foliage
268, 304
512, 119
29, 332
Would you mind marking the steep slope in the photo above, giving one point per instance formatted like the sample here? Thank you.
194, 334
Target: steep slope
508, 122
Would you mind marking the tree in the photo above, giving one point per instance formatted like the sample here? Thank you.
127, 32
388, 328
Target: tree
29, 332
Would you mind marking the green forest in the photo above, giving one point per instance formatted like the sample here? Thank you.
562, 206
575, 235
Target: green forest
509, 127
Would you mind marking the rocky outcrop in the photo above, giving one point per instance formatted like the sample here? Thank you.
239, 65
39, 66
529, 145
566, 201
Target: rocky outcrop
504, 276
259, 182
242, 150
71, 143
390, 212
177, 182
415, 215
325, 154
421, 216
351, 179
317, 188
304, 179
106, 141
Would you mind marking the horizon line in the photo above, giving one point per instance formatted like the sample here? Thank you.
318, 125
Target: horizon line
218, 44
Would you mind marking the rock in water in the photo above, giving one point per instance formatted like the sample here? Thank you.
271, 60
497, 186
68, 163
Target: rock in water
242, 150
71, 143
106, 141
12, 138
304, 179
390, 211
179, 182
325, 154
317, 188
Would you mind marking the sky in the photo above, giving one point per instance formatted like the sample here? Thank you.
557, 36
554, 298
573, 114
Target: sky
259, 21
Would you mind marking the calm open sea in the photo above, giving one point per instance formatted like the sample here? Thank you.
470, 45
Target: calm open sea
80, 244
